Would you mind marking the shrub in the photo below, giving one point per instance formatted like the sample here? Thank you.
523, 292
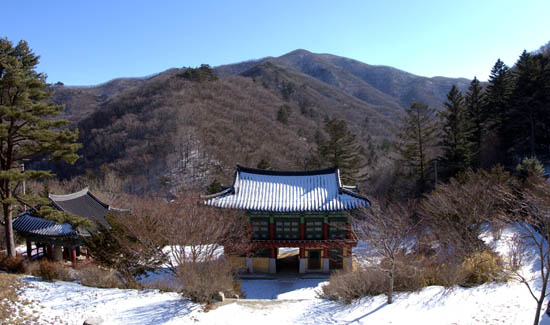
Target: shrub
201, 282
47, 270
95, 276
12, 264
64, 273
482, 267
32, 267
370, 281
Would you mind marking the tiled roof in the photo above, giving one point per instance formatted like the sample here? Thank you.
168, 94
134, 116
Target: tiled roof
82, 204
42, 227
287, 191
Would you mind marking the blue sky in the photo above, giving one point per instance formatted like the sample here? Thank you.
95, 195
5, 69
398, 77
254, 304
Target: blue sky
89, 42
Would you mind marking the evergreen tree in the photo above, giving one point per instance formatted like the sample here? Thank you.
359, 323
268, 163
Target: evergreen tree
283, 114
525, 122
497, 96
416, 141
343, 150
457, 132
474, 100
28, 130
263, 164
214, 187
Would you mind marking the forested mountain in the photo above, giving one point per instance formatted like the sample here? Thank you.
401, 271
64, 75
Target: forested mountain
377, 85
186, 127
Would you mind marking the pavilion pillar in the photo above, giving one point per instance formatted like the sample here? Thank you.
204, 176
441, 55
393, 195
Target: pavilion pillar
249, 264
73, 256
29, 249
272, 260
326, 261
347, 259
302, 261
77, 249
49, 250
57, 253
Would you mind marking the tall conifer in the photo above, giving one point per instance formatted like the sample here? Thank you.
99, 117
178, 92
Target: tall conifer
457, 133
343, 150
417, 140
497, 96
474, 101
27, 128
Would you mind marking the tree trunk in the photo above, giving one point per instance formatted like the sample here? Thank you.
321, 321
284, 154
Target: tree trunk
537, 314
390, 288
540, 301
10, 244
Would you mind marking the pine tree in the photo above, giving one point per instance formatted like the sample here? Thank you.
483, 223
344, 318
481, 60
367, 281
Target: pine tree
457, 132
527, 108
416, 141
474, 100
497, 96
343, 150
263, 164
28, 130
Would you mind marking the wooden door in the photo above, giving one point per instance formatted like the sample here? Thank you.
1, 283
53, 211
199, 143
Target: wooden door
314, 259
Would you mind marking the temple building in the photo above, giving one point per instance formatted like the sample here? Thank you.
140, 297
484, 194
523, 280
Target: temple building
303, 211
60, 241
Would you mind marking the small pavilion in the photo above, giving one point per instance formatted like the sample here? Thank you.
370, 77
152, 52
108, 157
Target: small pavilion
62, 241
289, 210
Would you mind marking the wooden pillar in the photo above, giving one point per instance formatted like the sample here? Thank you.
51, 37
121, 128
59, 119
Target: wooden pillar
73, 256
271, 228
272, 253
29, 249
50, 252
302, 252
65, 253
325, 252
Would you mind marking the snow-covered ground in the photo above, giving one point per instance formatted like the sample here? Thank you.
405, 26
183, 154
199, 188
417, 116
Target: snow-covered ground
296, 303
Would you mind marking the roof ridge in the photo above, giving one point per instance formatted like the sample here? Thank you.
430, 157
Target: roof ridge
312, 172
70, 196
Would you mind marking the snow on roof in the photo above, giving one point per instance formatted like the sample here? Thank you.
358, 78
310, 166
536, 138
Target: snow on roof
287, 191
82, 204
42, 227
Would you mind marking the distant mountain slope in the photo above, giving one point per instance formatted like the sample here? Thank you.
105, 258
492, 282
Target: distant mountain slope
167, 131
377, 85
170, 131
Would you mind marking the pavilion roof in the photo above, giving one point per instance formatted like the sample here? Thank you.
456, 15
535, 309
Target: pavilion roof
288, 191
82, 204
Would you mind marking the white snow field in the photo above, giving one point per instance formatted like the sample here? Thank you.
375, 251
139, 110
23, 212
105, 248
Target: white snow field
294, 301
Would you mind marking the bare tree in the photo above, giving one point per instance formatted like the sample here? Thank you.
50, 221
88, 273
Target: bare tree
529, 209
457, 210
387, 228
196, 233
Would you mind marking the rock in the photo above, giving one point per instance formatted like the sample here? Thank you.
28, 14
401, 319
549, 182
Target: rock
220, 296
94, 320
